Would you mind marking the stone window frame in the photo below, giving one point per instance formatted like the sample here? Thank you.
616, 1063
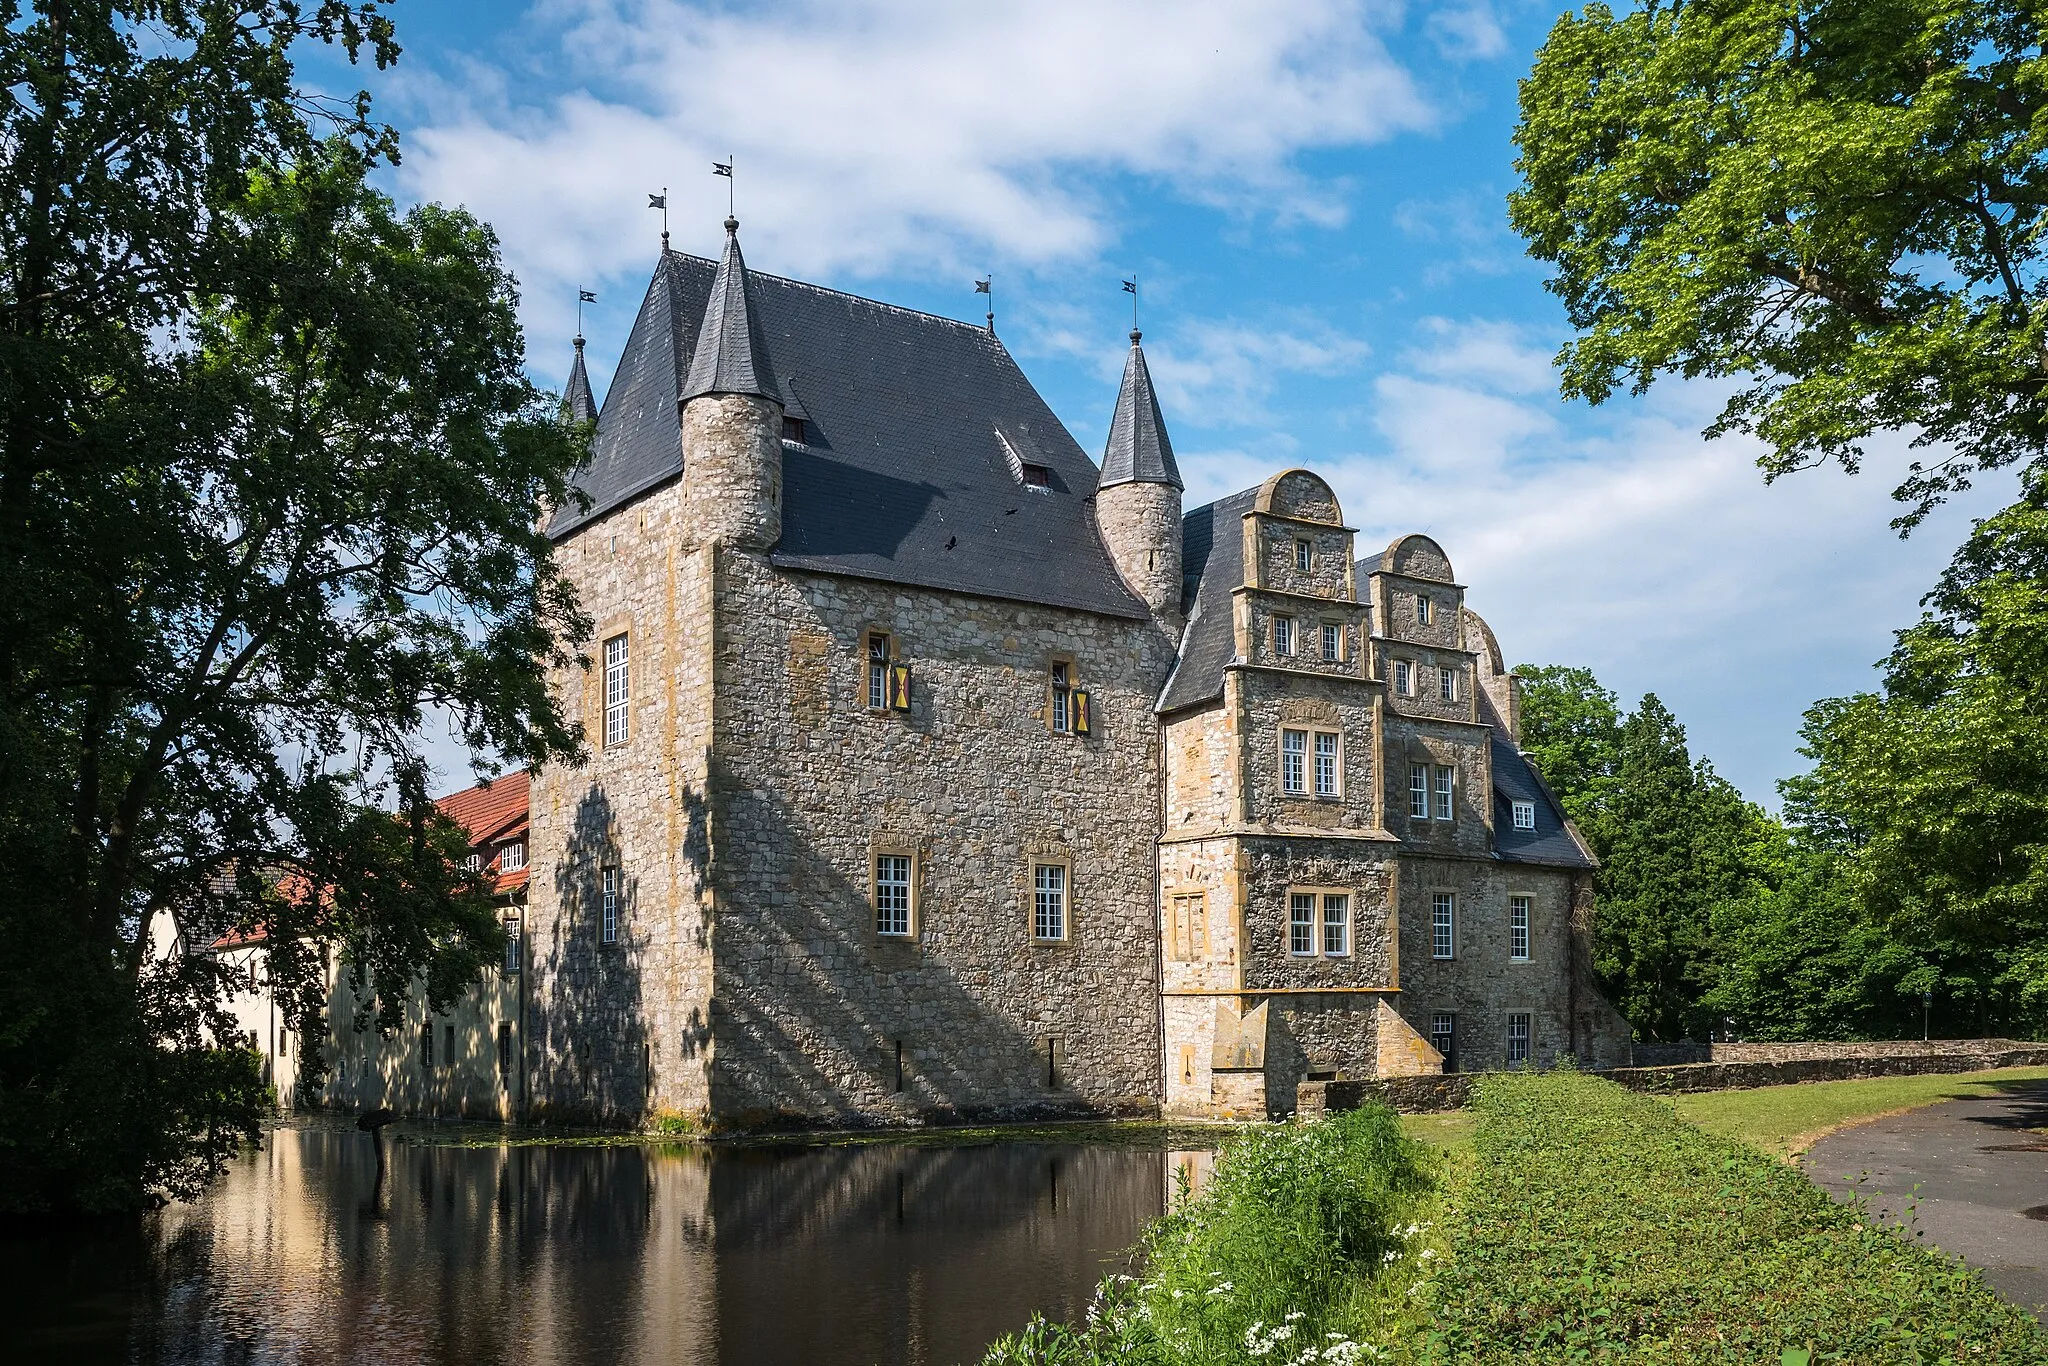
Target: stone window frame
1443, 936
1187, 910
611, 901
1443, 795
890, 846
1052, 717
1526, 929
1035, 858
1528, 1040
1304, 555
1404, 677
618, 709
1423, 609
1318, 925
1325, 638
1284, 636
1519, 807
1309, 730
1449, 1019
1448, 679
1418, 790
869, 675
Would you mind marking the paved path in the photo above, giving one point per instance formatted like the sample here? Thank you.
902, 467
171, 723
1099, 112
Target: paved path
1982, 1178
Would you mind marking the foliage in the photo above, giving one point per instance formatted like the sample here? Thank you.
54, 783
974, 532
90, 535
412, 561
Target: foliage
1269, 1260
1836, 205
1594, 1224
1784, 1121
1571, 729
270, 480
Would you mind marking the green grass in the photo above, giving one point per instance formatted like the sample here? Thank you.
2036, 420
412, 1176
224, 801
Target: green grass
1785, 1121
1450, 1130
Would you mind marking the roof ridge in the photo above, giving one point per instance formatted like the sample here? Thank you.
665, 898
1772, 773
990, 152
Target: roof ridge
1251, 492
849, 294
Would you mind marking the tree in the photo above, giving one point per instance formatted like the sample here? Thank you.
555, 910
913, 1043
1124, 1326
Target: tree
1571, 728
1835, 205
270, 482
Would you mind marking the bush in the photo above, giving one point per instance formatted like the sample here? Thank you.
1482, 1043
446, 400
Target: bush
1270, 1261
1595, 1224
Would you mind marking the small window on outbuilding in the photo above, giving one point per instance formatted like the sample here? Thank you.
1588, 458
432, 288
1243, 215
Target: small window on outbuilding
512, 857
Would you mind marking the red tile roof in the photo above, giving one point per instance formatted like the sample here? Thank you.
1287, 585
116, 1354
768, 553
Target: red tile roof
494, 813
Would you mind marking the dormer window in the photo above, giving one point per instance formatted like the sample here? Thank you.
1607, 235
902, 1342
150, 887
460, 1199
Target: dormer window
793, 429
1525, 815
1037, 477
512, 857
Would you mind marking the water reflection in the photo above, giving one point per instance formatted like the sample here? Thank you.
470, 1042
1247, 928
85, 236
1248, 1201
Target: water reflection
617, 1255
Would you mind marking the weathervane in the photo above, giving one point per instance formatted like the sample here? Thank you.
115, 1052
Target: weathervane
1131, 288
724, 168
660, 201
583, 296
988, 287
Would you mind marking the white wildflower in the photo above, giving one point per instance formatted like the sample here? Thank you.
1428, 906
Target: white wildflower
1390, 1255
1427, 1253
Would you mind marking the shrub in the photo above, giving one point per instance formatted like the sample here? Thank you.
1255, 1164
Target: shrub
1595, 1224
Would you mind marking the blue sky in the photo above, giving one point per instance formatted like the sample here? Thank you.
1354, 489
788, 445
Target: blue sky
1312, 197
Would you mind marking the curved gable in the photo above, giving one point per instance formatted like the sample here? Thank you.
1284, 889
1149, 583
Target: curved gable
1417, 557
1299, 494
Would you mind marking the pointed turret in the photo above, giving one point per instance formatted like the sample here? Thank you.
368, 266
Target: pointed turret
732, 417
1137, 500
578, 403
1138, 451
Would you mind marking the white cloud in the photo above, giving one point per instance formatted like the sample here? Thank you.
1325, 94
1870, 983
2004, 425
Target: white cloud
1468, 32
875, 135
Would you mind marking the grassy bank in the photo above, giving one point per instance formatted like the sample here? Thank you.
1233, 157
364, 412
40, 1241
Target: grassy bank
1785, 1121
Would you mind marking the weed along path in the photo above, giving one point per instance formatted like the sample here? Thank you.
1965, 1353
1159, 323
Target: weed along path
1971, 1175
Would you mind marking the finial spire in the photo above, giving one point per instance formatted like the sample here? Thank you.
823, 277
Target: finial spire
732, 350
579, 404
1139, 451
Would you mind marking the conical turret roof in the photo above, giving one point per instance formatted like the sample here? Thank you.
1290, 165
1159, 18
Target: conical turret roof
1138, 451
732, 351
578, 403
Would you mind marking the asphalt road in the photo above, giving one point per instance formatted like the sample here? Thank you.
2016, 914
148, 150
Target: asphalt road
1981, 1179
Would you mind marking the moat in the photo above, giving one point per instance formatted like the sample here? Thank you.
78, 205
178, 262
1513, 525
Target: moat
683, 1255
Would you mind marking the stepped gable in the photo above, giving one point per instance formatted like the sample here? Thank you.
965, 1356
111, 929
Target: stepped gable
1212, 562
915, 432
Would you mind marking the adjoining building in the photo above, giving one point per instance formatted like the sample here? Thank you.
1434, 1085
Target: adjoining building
936, 773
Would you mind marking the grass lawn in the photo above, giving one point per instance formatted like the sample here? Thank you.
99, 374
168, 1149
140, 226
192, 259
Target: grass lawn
1785, 1121
1451, 1130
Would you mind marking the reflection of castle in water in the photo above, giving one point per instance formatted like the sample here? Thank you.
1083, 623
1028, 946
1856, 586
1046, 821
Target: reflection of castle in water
879, 1253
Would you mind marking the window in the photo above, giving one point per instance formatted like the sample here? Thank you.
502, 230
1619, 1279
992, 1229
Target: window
1283, 635
505, 1053
1421, 610
1443, 1037
512, 857
1518, 928
1518, 1037
1336, 924
1191, 927
617, 700
1038, 477
1418, 791
340, 1070
878, 670
792, 429
474, 863
448, 1046
1443, 925
608, 915
1326, 764
1446, 792
1333, 641
1293, 761
1447, 684
513, 956
1525, 815
892, 894
1304, 556
1404, 678
1062, 697
427, 1049
1301, 924
1049, 901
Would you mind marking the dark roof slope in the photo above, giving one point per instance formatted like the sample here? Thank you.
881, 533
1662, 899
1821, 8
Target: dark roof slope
1514, 780
731, 356
1138, 451
1212, 557
577, 400
903, 475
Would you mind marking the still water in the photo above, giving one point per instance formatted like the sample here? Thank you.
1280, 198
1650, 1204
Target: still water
879, 1253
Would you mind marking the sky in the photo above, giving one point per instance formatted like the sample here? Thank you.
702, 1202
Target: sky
1312, 199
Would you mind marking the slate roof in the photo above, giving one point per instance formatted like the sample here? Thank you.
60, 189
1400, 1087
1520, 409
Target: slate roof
1138, 451
577, 400
1514, 780
903, 474
1212, 560
731, 356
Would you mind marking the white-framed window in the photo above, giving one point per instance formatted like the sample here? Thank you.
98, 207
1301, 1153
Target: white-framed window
1525, 815
1443, 925
1447, 683
1404, 678
608, 914
1301, 924
1422, 609
1294, 761
1443, 1037
1446, 792
1518, 928
1336, 924
1519, 1030
513, 957
618, 700
1328, 782
512, 857
1283, 635
1049, 901
474, 863
1304, 556
1062, 696
1418, 791
1333, 641
878, 670
892, 894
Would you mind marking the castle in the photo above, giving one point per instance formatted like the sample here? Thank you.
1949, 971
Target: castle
936, 773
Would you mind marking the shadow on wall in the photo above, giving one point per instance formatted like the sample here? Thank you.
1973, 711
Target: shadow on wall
592, 1056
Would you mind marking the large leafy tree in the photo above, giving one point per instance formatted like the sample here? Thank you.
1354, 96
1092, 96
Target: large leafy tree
1571, 728
1834, 205
270, 481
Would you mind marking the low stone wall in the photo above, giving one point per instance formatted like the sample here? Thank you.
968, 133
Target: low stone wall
1679, 1054
1422, 1095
